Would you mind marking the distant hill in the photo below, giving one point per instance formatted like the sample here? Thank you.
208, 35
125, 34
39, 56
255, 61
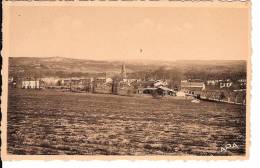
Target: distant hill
64, 67
60, 66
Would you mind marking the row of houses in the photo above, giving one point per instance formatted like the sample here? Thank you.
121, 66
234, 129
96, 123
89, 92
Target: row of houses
211, 89
98, 85
195, 88
32, 83
221, 90
197, 84
185, 85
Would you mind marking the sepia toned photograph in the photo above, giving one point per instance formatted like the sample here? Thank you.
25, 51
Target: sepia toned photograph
127, 81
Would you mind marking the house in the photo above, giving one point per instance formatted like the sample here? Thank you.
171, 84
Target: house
109, 80
102, 80
147, 84
159, 83
192, 85
228, 96
213, 82
242, 83
130, 82
165, 91
65, 82
154, 87
225, 84
148, 90
162, 91
50, 81
242, 80
31, 84
75, 81
86, 81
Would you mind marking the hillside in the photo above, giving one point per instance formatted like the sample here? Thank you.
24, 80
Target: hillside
59, 66
64, 67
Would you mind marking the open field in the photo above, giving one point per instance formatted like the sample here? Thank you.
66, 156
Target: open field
54, 122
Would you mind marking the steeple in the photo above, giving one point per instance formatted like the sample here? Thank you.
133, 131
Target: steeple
123, 71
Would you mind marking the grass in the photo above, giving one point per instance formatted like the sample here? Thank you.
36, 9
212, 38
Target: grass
54, 122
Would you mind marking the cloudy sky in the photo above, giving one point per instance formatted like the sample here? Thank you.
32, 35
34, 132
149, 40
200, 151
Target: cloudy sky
122, 33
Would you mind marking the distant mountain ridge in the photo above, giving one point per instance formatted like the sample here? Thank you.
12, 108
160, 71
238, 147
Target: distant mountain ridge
69, 65
60, 66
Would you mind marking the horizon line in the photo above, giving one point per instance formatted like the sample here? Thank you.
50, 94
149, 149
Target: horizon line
162, 60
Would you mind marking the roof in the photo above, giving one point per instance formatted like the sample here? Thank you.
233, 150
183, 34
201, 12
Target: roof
149, 88
195, 80
192, 84
165, 88
192, 89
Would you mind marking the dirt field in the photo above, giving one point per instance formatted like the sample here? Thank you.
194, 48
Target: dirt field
55, 122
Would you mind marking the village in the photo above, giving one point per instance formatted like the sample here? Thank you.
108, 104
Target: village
219, 90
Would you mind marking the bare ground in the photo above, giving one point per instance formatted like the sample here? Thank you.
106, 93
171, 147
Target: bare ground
54, 122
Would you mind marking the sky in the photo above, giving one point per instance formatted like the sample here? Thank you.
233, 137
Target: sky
125, 33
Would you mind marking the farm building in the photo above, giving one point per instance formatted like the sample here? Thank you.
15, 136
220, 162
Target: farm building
163, 91
159, 83
192, 86
152, 84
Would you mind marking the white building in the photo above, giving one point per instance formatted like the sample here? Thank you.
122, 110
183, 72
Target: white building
50, 81
225, 84
159, 83
103, 80
31, 84
192, 85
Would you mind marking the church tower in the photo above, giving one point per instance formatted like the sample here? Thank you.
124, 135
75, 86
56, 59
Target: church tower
123, 71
